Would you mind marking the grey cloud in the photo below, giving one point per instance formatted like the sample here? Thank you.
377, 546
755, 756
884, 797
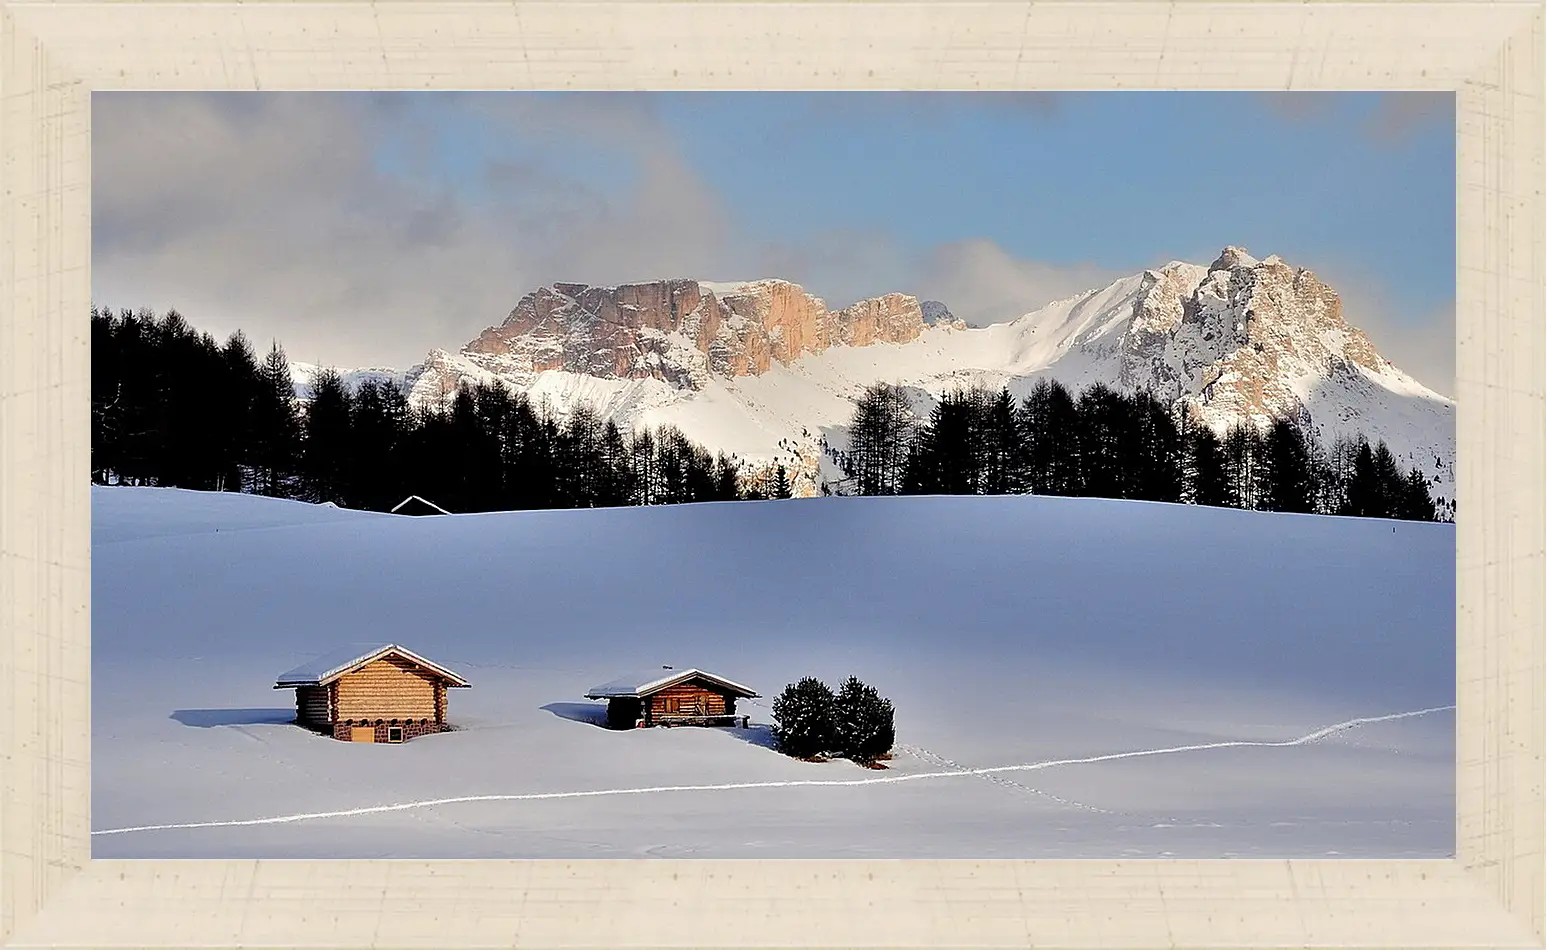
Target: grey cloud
1396, 116
267, 213
1400, 114
983, 284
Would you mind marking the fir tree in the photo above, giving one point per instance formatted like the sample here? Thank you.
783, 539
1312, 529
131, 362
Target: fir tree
328, 446
781, 483
1417, 504
1049, 426
863, 722
1364, 495
276, 427
880, 433
1210, 483
1287, 477
803, 714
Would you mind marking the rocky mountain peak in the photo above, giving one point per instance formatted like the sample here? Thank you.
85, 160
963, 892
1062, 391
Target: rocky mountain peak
1231, 258
1243, 339
684, 331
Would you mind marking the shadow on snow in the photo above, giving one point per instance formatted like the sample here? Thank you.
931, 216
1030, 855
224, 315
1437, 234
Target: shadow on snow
206, 718
595, 714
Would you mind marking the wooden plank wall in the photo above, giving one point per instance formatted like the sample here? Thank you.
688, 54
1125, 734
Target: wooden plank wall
388, 688
676, 700
311, 704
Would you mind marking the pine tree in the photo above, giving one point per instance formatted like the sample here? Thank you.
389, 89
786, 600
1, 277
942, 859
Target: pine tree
1339, 475
1389, 477
276, 425
1210, 482
1108, 440
880, 432
1160, 452
1243, 450
1049, 438
327, 450
727, 479
1364, 494
781, 483
803, 715
378, 429
863, 722
1287, 477
616, 474
1003, 454
949, 451
1417, 504
107, 402
238, 396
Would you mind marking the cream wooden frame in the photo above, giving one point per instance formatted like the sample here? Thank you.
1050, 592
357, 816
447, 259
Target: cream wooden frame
52, 55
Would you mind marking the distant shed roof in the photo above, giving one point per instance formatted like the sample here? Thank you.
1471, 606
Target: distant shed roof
422, 503
643, 684
328, 667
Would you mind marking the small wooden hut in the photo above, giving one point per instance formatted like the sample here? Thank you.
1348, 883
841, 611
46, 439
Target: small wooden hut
672, 697
377, 692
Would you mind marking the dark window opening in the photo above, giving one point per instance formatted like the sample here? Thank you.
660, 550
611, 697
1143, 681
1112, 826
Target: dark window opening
394, 733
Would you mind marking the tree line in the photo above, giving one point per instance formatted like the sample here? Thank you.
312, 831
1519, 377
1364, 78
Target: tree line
1107, 444
172, 407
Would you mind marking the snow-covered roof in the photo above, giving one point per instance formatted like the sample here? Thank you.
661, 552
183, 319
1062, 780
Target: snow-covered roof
330, 666
643, 684
422, 501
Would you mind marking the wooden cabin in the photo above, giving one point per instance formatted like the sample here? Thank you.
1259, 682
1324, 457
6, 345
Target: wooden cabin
671, 697
378, 692
414, 505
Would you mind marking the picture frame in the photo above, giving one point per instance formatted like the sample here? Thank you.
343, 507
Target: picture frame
53, 56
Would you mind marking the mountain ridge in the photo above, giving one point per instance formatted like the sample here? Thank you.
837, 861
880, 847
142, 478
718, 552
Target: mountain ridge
766, 371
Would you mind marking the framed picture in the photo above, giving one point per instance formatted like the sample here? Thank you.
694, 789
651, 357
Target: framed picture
824, 474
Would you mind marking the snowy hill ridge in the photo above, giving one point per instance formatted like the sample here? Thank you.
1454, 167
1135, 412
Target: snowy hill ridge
762, 369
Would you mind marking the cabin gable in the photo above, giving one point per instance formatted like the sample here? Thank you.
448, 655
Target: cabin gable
390, 687
695, 697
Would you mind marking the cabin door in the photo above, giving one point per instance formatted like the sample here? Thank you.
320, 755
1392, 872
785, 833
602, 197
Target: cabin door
362, 734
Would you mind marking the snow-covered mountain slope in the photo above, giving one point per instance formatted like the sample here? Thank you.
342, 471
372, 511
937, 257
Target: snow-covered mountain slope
763, 369
1092, 640
305, 374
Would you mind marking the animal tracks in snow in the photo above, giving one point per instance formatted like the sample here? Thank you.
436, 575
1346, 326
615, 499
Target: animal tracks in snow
1306, 739
940, 761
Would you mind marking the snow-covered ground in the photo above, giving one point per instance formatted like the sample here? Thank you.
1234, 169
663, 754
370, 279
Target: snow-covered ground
1043, 655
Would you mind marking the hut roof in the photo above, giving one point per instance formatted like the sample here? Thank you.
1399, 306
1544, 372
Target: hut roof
643, 684
422, 504
330, 666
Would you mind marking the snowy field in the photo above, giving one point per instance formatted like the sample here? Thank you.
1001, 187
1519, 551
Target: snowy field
1072, 678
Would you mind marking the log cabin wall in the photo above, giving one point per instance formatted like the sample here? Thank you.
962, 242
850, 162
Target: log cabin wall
312, 705
388, 688
687, 699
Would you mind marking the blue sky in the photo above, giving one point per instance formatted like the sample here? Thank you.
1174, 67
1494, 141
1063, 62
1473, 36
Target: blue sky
988, 200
